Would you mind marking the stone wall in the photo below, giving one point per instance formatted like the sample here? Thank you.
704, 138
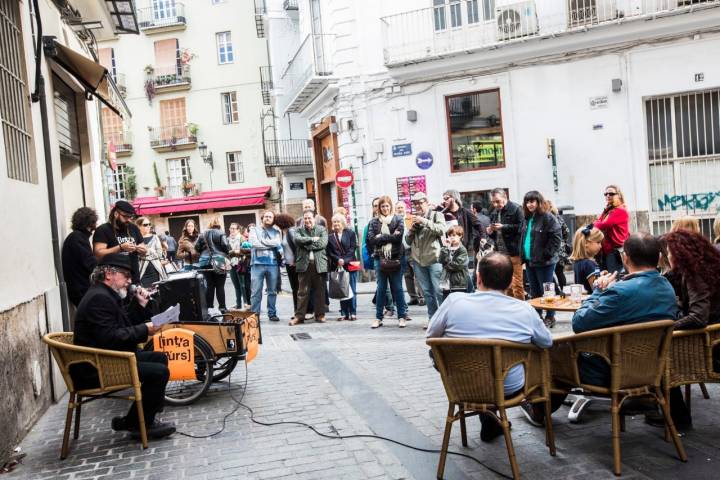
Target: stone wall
24, 376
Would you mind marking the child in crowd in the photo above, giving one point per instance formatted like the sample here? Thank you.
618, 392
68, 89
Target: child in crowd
586, 245
454, 259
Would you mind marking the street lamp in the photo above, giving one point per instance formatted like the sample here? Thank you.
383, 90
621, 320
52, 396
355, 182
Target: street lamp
207, 157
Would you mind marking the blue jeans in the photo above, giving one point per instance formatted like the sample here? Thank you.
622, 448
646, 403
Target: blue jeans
349, 307
537, 276
269, 275
429, 280
395, 281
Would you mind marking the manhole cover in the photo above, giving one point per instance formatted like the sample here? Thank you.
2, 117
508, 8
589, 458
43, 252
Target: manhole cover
301, 336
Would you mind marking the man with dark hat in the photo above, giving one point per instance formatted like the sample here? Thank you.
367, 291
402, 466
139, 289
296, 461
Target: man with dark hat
120, 235
105, 321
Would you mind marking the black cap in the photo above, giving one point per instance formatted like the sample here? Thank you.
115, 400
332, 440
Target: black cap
125, 207
117, 260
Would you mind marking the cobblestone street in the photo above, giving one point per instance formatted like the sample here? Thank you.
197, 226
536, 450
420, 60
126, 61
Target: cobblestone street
348, 379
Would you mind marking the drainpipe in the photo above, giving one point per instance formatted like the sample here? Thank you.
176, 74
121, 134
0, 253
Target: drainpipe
39, 96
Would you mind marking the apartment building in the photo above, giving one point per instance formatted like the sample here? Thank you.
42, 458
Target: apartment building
561, 96
50, 165
194, 145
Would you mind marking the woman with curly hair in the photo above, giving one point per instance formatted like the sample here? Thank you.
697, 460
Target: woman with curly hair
695, 267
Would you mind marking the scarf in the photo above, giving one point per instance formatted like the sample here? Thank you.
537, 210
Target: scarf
385, 230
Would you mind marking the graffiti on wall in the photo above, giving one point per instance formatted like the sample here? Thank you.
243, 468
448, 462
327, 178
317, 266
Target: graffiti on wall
693, 201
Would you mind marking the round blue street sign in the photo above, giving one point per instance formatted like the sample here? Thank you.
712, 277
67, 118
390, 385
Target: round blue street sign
424, 160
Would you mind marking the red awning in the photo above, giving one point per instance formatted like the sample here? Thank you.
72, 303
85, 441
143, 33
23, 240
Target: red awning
241, 197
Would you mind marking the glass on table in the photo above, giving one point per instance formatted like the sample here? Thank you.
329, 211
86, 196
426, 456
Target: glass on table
576, 291
549, 292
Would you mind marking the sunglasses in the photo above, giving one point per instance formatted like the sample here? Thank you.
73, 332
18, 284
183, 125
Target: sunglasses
610, 194
146, 224
126, 215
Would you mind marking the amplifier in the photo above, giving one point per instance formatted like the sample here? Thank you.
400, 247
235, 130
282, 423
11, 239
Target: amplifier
187, 289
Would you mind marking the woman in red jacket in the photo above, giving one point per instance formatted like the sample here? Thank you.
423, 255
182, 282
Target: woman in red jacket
613, 222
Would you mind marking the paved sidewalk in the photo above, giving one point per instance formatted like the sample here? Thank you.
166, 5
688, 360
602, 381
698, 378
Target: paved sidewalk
349, 379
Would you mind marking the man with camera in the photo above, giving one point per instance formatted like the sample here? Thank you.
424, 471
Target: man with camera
106, 320
424, 238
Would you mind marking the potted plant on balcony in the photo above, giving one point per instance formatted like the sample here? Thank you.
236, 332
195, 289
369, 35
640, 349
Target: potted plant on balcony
192, 129
188, 187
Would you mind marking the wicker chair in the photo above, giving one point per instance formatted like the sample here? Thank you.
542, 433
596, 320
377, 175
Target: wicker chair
637, 355
691, 360
116, 371
473, 371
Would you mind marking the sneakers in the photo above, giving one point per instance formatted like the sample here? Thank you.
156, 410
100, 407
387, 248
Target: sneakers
529, 412
274, 318
401, 323
549, 322
376, 324
158, 429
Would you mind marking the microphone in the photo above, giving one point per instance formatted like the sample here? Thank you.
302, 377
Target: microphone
133, 290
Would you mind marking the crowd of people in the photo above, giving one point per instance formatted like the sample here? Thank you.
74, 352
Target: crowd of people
455, 261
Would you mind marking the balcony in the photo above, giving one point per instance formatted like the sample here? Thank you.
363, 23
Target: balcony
170, 139
465, 27
121, 84
287, 153
290, 5
188, 188
171, 79
266, 84
168, 18
122, 141
308, 73
260, 12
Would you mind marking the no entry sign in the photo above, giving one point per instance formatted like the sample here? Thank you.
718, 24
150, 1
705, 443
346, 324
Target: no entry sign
344, 178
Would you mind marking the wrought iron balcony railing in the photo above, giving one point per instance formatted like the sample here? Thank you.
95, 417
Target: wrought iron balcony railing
171, 76
172, 138
287, 153
167, 14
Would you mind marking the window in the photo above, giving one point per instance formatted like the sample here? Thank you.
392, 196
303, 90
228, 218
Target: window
475, 131
117, 183
107, 60
178, 174
475, 10
112, 127
439, 14
164, 9
173, 119
230, 107
14, 115
473, 15
235, 168
167, 61
224, 47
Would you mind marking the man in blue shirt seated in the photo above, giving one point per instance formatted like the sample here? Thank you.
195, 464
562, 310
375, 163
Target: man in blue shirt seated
489, 313
643, 295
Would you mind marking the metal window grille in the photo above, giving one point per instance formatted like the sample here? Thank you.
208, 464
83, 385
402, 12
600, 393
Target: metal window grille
683, 138
235, 168
14, 116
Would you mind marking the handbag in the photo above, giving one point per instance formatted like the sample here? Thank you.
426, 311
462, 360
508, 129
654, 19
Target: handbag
217, 261
339, 285
389, 265
353, 266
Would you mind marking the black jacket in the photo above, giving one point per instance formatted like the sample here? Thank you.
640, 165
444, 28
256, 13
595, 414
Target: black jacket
397, 227
102, 321
214, 236
544, 241
78, 263
473, 228
512, 219
345, 249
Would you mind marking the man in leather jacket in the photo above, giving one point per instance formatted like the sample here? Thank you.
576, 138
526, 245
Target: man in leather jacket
105, 321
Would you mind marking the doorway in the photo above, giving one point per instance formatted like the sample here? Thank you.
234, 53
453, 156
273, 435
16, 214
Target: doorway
176, 224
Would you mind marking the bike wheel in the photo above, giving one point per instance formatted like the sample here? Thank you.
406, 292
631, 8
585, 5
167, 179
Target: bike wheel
185, 392
223, 367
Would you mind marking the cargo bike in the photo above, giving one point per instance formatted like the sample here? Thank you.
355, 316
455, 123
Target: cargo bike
219, 341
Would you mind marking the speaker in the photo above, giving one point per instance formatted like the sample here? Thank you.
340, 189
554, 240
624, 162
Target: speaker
187, 289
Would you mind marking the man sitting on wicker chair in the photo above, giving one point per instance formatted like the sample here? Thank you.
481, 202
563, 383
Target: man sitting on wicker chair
643, 295
489, 313
104, 321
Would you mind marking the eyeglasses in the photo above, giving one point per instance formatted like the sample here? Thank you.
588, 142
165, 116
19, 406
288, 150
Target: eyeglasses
146, 224
610, 194
126, 215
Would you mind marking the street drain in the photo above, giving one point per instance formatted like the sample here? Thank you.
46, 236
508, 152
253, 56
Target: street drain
300, 336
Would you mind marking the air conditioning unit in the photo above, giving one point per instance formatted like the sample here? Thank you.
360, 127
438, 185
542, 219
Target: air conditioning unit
591, 12
515, 19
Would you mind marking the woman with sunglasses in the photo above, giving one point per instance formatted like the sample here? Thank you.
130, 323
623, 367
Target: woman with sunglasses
152, 267
613, 222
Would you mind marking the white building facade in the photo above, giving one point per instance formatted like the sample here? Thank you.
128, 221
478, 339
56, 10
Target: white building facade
194, 146
560, 97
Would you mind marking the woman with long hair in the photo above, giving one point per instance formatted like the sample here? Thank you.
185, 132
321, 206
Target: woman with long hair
614, 223
235, 240
586, 245
213, 243
152, 268
186, 245
539, 246
384, 239
695, 268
